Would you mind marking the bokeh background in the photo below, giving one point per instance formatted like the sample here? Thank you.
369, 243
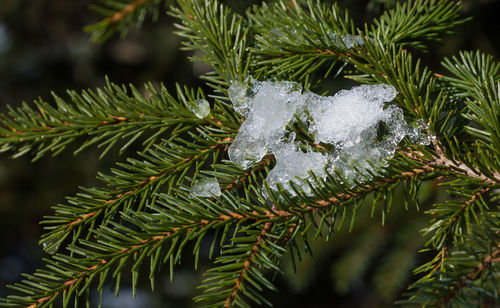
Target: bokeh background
43, 48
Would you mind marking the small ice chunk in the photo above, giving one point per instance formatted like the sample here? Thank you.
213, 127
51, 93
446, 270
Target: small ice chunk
299, 36
292, 164
207, 187
419, 133
200, 108
241, 94
238, 95
273, 105
245, 150
347, 40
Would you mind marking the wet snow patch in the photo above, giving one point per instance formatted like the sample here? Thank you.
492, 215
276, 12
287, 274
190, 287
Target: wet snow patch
361, 128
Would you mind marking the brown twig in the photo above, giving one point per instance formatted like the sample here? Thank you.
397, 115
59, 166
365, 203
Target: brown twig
443, 161
116, 17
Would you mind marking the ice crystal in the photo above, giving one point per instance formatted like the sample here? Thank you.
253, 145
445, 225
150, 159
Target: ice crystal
347, 40
207, 187
338, 40
200, 108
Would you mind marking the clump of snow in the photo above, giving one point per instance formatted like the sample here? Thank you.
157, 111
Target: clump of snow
344, 119
207, 187
200, 108
359, 125
271, 108
292, 164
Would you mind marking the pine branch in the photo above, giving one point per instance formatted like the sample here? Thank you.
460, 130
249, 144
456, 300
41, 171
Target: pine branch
452, 215
485, 264
466, 276
245, 274
463, 168
179, 216
440, 160
115, 245
477, 78
147, 211
414, 23
288, 49
135, 186
101, 118
285, 48
219, 34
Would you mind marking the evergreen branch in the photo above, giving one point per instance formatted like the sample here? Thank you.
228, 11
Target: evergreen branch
454, 216
238, 215
219, 34
468, 271
147, 210
115, 245
234, 269
290, 50
246, 265
135, 185
477, 77
414, 22
103, 117
70, 283
121, 15
130, 8
240, 278
484, 265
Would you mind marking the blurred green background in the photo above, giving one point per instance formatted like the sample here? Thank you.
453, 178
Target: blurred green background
43, 49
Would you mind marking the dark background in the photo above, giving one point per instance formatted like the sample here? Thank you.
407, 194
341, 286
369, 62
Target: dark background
43, 49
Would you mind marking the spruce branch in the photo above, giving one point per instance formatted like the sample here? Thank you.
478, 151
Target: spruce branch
297, 51
473, 275
476, 76
180, 216
246, 276
467, 273
285, 48
146, 210
115, 245
103, 118
219, 34
134, 186
441, 160
415, 23
452, 222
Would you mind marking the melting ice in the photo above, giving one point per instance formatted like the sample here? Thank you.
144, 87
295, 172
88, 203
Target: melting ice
268, 110
207, 187
200, 108
338, 40
350, 121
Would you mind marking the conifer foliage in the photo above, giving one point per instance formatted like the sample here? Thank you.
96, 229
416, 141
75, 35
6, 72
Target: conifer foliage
144, 216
